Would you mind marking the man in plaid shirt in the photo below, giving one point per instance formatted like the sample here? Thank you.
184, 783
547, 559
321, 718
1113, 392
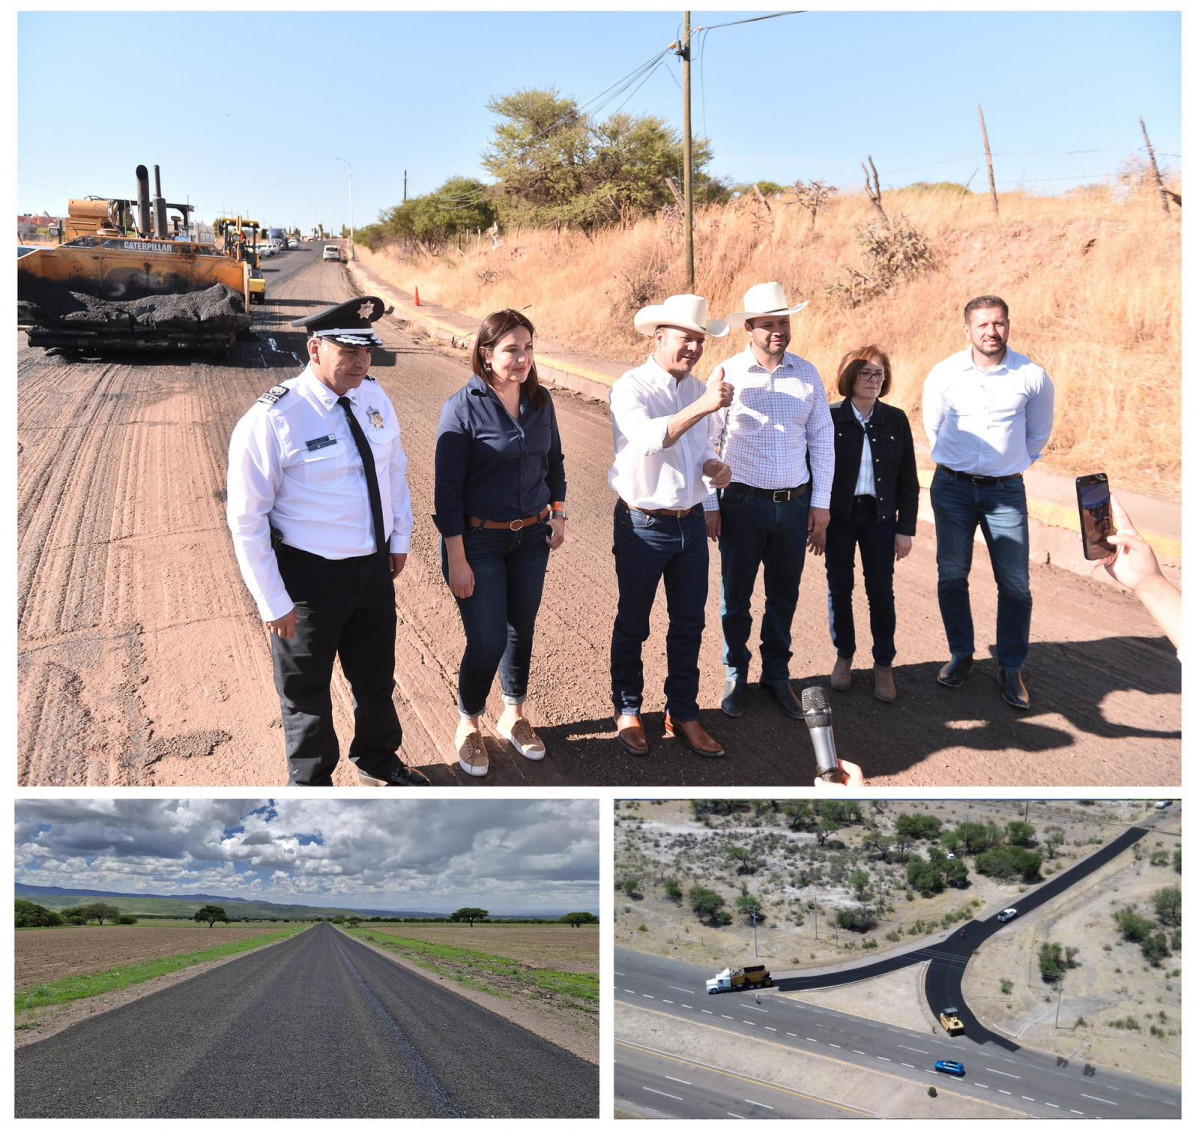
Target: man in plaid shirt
777, 427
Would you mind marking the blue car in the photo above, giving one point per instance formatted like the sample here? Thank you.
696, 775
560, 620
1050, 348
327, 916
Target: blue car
950, 1067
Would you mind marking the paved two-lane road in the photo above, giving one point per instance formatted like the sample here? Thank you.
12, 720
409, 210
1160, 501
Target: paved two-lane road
318, 1026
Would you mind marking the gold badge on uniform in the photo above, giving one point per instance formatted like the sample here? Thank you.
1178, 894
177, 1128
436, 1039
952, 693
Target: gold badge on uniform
375, 418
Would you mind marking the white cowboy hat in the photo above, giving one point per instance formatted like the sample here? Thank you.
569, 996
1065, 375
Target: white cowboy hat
689, 312
762, 300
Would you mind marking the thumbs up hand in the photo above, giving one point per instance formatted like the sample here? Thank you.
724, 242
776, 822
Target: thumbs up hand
719, 393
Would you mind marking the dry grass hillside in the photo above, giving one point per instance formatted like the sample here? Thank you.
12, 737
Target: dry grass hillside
1094, 285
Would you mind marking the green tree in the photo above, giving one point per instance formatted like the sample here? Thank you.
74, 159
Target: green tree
211, 914
750, 906
1051, 961
579, 918
918, 825
1021, 834
100, 911
127, 919
859, 882
30, 914
709, 906
1009, 863
925, 875
1167, 905
1134, 927
73, 915
470, 914
674, 891
859, 918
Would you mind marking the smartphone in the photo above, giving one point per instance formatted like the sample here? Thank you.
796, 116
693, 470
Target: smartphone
1094, 515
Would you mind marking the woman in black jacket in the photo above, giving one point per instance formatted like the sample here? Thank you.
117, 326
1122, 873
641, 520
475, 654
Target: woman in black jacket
873, 507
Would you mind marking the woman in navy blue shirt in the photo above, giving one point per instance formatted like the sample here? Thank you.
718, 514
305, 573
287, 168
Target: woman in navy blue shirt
500, 496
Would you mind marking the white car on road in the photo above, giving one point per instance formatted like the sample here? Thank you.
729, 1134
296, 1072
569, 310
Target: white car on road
332, 252
1007, 915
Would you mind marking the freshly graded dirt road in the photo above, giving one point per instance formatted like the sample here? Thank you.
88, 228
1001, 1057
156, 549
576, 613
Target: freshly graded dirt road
320, 1026
142, 660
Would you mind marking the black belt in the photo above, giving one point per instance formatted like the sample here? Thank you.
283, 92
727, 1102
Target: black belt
679, 513
975, 479
779, 496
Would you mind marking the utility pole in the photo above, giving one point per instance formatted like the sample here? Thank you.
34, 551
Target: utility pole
1061, 984
990, 168
350, 176
1156, 172
753, 921
688, 187
405, 201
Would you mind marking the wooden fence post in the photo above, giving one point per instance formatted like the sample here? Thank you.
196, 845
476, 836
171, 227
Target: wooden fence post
990, 168
1156, 172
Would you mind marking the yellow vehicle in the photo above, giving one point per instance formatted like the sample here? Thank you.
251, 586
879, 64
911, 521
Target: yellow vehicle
950, 1021
749, 977
126, 280
240, 242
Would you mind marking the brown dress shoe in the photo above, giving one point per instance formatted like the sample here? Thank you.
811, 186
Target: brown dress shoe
884, 683
631, 734
842, 675
694, 736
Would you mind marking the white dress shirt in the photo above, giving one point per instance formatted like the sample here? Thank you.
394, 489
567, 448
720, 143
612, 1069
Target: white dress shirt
991, 423
645, 473
777, 418
865, 482
294, 467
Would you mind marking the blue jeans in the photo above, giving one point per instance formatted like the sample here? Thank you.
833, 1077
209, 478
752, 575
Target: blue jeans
959, 507
756, 531
498, 618
649, 549
876, 539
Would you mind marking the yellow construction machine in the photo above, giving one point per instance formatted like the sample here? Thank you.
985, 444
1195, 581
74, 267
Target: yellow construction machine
126, 280
240, 242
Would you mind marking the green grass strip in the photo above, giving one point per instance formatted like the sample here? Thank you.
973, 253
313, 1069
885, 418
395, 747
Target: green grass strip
92, 984
581, 986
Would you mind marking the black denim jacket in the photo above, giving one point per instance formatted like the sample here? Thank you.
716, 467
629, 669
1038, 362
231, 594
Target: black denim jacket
895, 482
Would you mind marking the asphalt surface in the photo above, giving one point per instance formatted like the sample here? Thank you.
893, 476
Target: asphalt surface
319, 1026
1056, 1086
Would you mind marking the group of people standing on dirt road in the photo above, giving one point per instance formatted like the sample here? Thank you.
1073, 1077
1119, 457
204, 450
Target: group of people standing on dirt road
755, 460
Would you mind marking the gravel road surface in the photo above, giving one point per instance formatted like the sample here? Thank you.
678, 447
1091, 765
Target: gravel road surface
142, 660
319, 1026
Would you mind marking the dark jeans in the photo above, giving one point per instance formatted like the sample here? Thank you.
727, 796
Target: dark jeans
649, 549
876, 539
499, 617
756, 531
345, 609
959, 507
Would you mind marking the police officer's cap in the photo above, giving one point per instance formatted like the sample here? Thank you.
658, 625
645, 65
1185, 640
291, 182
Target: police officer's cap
346, 323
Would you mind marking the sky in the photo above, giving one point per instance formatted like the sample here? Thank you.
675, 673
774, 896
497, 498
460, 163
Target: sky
251, 111
507, 856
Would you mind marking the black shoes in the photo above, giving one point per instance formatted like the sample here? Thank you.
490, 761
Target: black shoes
398, 776
1015, 692
732, 703
956, 670
787, 701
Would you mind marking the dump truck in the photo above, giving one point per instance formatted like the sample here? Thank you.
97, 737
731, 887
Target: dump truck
951, 1022
747, 977
125, 279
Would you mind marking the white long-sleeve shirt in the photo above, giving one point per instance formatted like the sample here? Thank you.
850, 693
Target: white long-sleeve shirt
294, 467
990, 423
646, 473
778, 417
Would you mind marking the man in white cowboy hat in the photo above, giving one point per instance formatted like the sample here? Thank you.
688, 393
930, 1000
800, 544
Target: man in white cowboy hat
778, 424
663, 454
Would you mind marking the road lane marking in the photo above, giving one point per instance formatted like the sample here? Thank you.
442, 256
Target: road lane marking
812, 1039
630, 991
1058, 1106
666, 1002
1003, 1091
1073, 1112
886, 1058
725, 1017
1010, 1075
680, 989
922, 1051
1099, 1099
770, 1030
1029, 1098
756, 1104
687, 1006
757, 1010
831, 1045
859, 1052
906, 1065
617, 973
708, 1011
666, 1094
750, 1023
677, 1080
734, 1115
649, 995
793, 1034
978, 1085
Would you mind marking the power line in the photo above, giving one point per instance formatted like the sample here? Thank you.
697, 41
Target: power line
751, 20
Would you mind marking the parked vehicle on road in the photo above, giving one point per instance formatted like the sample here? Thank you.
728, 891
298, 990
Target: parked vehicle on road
748, 977
951, 1022
1163, 804
950, 1067
1007, 915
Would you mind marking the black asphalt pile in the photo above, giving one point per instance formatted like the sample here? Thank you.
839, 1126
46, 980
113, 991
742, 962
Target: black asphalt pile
49, 304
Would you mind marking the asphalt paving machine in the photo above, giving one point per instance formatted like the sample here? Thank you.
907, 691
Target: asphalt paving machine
126, 279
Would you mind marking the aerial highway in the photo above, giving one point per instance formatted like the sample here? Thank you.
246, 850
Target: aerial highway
997, 1069
317, 1026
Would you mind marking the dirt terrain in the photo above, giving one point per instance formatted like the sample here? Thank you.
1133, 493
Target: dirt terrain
568, 948
48, 954
142, 662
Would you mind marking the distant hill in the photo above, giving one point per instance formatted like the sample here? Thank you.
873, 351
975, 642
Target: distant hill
184, 906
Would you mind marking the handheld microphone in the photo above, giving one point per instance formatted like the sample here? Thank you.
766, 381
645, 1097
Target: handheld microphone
819, 717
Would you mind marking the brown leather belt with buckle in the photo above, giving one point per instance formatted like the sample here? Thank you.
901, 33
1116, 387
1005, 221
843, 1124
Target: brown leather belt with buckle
677, 513
510, 525
779, 496
976, 479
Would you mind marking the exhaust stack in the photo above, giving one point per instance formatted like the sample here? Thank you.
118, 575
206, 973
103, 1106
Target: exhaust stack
160, 208
144, 223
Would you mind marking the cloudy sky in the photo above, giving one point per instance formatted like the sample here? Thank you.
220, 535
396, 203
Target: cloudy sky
508, 856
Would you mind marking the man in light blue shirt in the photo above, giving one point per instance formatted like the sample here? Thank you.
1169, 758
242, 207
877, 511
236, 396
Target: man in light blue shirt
988, 413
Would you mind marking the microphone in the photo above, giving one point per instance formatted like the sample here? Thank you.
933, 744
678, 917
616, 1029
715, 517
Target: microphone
819, 717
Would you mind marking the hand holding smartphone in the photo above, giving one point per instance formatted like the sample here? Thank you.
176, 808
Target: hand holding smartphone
1094, 515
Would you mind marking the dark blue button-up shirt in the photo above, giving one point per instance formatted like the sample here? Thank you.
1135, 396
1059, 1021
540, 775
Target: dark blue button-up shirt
493, 466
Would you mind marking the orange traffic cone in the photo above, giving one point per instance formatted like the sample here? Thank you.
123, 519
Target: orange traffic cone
416, 296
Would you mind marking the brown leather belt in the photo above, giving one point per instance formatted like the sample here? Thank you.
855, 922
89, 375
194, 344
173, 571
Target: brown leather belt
677, 513
510, 525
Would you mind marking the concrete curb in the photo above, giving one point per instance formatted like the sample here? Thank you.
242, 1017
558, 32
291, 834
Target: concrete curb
1052, 514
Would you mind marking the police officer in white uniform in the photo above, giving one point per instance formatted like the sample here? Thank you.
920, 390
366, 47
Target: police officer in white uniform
321, 519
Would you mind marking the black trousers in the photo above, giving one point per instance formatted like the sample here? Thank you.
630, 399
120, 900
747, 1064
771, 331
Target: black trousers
344, 609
